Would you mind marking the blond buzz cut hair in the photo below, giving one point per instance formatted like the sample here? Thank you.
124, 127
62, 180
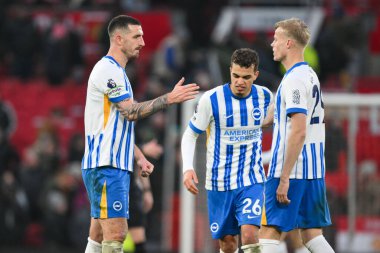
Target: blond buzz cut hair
296, 29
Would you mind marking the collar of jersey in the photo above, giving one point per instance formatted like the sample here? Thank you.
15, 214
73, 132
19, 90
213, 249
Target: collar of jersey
234, 96
295, 66
112, 59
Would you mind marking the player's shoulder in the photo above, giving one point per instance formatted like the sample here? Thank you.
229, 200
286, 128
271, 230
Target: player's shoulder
297, 76
210, 92
105, 68
263, 88
206, 97
106, 64
301, 75
301, 71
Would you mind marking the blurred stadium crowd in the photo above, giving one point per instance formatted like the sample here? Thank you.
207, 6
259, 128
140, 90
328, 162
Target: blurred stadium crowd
48, 47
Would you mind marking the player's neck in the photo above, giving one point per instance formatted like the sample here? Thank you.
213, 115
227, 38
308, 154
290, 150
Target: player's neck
291, 59
118, 56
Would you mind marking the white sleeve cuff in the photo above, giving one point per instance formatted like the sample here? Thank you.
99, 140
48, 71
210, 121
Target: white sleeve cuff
189, 139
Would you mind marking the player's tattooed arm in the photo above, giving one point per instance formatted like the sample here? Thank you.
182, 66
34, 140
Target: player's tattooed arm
180, 93
135, 111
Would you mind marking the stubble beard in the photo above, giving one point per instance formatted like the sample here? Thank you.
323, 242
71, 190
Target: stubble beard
130, 57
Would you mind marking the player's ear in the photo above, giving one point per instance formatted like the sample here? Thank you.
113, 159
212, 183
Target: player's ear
257, 74
118, 39
290, 43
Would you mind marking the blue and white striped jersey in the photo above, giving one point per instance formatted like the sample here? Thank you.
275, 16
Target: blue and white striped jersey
299, 92
234, 136
109, 136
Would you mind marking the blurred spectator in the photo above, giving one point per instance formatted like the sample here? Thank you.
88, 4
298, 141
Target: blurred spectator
23, 42
225, 47
340, 38
103, 38
153, 128
63, 55
32, 180
203, 79
13, 211
40, 169
135, 5
169, 59
79, 207
154, 87
13, 201
76, 147
269, 70
3, 18
197, 12
336, 141
48, 150
141, 200
78, 222
57, 195
9, 157
368, 194
7, 118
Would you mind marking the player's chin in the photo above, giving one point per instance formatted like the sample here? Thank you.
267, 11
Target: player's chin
135, 55
240, 94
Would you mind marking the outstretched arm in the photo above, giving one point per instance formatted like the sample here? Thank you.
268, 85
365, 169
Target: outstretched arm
135, 111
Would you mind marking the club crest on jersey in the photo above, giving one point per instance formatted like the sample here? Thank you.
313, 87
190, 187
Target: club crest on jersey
117, 206
111, 84
214, 227
256, 114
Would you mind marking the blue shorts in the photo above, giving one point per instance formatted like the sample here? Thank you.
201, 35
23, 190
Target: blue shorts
308, 207
108, 190
229, 210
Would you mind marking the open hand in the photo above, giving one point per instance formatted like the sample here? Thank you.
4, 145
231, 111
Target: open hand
181, 93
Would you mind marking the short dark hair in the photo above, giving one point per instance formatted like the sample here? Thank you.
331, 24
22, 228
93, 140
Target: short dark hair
245, 57
121, 21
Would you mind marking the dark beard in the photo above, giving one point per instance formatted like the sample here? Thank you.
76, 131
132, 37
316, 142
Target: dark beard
130, 58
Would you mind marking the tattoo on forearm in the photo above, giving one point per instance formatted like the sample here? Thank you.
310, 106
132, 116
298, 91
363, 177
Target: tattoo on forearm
142, 110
